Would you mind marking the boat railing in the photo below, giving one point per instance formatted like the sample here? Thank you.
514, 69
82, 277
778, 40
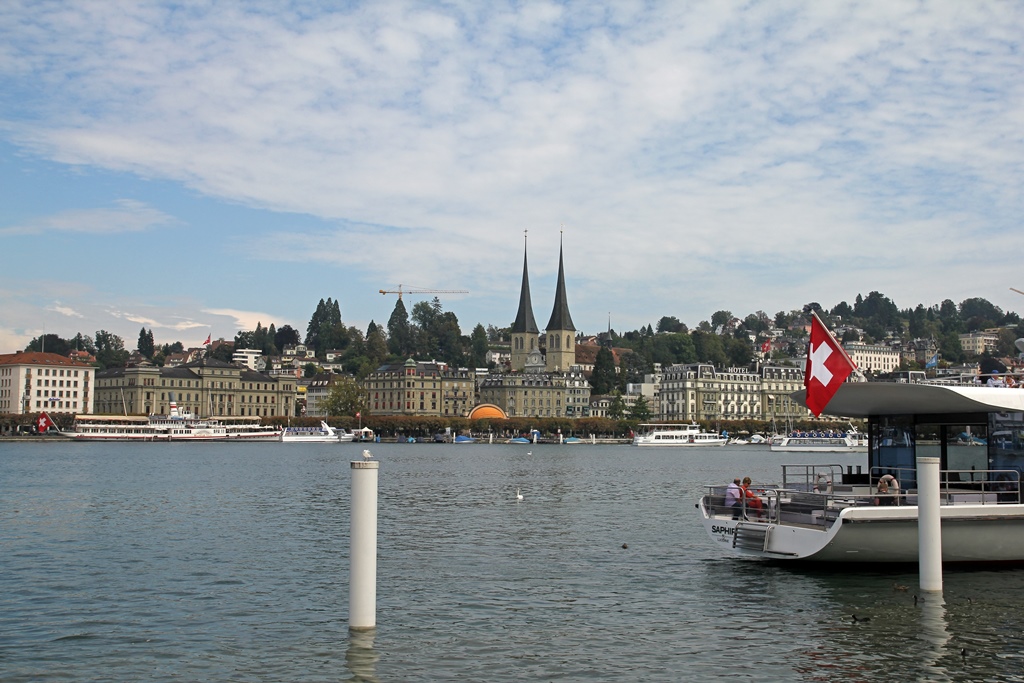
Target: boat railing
812, 506
980, 486
812, 478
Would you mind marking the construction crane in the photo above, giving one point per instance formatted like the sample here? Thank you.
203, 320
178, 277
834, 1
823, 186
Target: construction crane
401, 291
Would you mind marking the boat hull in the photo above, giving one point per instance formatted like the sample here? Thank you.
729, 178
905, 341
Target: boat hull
970, 534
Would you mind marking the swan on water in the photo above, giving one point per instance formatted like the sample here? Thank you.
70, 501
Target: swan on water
519, 496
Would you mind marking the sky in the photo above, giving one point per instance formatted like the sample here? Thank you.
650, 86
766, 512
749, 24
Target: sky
195, 168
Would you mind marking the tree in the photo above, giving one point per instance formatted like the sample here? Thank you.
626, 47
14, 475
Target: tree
50, 343
110, 351
602, 379
310, 370
670, 323
720, 318
640, 411
286, 335
478, 345
617, 409
346, 397
709, 348
146, 346
376, 344
399, 332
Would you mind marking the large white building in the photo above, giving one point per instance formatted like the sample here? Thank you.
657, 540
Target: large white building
32, 381
874, 358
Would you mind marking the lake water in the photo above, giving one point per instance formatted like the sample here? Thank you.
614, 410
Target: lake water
217, 562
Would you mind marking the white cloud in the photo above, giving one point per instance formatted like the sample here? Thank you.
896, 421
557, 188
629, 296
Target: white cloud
64, 310
703, 156
128, 216
246, 320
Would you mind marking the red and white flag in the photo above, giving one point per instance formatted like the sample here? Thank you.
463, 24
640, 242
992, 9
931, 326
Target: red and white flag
207, 342
828, 366
766, 346
359, 414
43, 422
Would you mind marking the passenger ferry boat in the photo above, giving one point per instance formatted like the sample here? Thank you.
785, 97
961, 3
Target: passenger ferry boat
177, 426
322, 434
821, 442
821, 513
676, 435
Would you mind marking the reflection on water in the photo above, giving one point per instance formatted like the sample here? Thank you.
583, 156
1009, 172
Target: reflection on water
200, 562
360, 657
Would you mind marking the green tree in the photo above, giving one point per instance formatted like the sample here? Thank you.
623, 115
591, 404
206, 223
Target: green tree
670, 323
310, 370
720, 318
602, 379
400, 340
478, 345
709, 348
376, 344
146, 346
110, 351
641, 410
617, 409
284, 336
50, 343
346, 397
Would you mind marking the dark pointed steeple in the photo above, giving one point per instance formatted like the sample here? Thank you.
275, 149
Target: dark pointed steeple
560, 318
525, 323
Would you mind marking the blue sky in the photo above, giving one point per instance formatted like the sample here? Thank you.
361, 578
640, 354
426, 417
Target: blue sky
194, 168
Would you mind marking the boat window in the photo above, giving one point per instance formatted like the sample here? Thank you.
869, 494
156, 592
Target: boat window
892, 449
1006, 441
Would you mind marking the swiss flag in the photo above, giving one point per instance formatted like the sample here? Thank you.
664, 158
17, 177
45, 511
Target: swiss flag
828, 366
43, 422
207, 342
766, 346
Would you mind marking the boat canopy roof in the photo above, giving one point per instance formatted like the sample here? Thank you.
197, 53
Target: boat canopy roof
863, 399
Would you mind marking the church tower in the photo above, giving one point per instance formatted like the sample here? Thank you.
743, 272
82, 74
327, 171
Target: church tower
560, 332
525, 334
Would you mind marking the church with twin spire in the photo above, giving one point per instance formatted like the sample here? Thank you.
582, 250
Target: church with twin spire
544, 380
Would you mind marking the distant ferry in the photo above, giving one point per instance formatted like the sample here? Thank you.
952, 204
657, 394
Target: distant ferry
676, 435
322, 434
821, 442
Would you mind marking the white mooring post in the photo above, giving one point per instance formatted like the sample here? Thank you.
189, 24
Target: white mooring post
929, 524
362, 589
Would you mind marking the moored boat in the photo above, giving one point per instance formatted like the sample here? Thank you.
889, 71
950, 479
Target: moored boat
660, 435
821, 441
322, 434
824, 514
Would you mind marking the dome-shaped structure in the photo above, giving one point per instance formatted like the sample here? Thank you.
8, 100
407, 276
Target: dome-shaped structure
487, 410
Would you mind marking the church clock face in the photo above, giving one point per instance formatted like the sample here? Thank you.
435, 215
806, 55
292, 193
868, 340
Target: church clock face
534, 359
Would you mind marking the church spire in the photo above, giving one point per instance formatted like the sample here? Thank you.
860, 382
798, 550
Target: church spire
525, 323
560, 318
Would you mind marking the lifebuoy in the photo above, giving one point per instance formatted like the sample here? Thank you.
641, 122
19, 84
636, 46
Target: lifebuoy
823, 484
890, 481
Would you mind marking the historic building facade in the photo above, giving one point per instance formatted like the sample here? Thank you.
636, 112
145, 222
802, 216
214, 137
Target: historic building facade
420, 388
206, 388
699, 392
32, 381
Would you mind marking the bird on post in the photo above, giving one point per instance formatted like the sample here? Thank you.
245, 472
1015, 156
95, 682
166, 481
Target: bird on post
367, 454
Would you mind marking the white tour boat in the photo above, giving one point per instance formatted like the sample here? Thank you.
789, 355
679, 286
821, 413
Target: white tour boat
177, 426
821, 513
821, 441
322, 434
676, 435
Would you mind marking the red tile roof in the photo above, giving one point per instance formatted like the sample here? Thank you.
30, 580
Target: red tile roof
39, 358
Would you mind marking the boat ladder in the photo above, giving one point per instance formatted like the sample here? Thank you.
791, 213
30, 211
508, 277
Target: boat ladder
752, 537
